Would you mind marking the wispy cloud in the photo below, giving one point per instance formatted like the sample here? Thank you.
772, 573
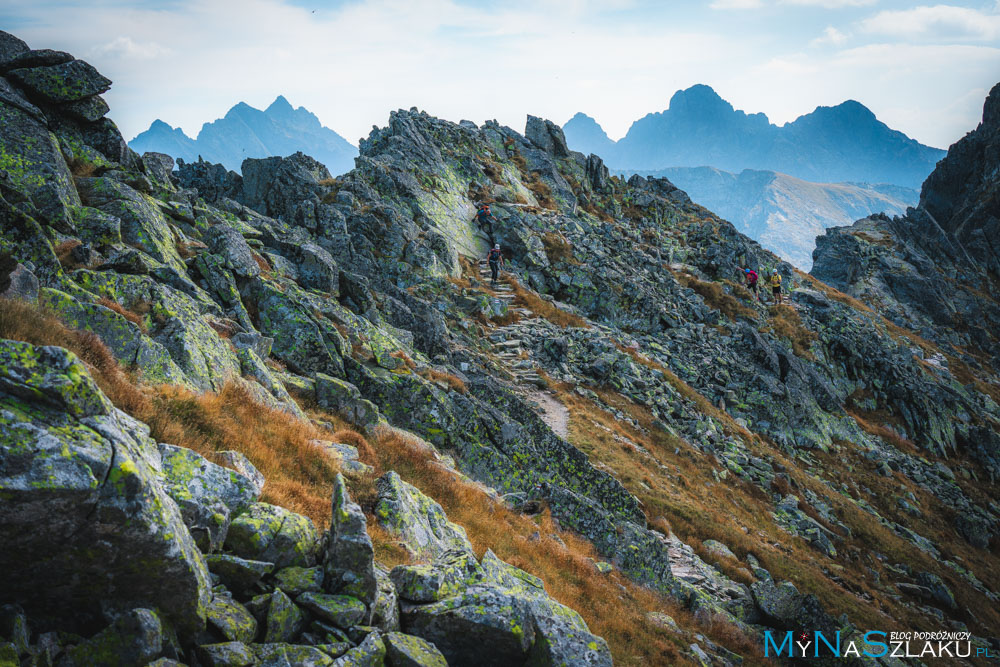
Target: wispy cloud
737, 4
940, 22
829, 4
830, 36
126, 47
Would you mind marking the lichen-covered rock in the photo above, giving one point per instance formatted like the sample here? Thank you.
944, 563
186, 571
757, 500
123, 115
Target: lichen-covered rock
229, 244
65, 82
273, 534
142, 224
134, 640
14, 627
369, 653
449, 573
278, 654
227, 654
31, 157
298, 580
342, 611
385, 615
418, 521
349, 563
237, 574
11, 47
81, 474
409, 651
345, 399
241, 464
285, 621
125, 339
206, 493
231, 619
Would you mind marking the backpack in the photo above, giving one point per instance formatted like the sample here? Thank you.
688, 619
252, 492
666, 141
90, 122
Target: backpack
752, 278
494, 255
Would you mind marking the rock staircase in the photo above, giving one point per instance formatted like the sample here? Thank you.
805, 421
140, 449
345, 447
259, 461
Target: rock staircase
506, 344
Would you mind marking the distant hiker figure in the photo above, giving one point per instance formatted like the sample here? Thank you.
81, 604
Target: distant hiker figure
751, 277
775, 282
495, 259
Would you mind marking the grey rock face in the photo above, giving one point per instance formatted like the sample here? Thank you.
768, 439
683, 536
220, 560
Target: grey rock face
79, 473
418, 521
546, 135
10, 48
273, 534
349, 564
64, 82
206, 493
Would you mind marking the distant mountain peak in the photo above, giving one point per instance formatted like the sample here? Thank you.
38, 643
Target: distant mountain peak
247, 132
280, 104
845, 142
698, 96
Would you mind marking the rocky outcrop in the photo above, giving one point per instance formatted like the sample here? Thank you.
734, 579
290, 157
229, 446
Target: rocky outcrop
933, 269
88, 527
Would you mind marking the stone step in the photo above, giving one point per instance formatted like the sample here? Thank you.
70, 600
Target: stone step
508, 343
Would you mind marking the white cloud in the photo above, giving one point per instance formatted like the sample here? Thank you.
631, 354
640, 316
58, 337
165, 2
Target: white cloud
126, 47
830, 36
830, 4
946, 22
736, 4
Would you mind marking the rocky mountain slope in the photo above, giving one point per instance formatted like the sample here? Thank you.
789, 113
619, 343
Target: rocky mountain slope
245, 132
936, 269
699, 128
785, 214
278, 418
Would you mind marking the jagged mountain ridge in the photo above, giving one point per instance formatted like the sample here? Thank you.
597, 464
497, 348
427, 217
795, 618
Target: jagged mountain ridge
936, 268
683, 395
829, 145
785, 214
245, 132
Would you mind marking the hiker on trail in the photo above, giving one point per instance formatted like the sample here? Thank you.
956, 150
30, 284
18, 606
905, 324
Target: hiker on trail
495, 258
751, 277
484, 215
775, 282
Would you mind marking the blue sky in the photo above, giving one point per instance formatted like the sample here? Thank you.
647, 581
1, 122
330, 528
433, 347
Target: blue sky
922, 68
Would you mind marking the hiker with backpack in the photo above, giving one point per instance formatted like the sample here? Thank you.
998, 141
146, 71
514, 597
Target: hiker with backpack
751, 277
483, 214
775, 282
495, 258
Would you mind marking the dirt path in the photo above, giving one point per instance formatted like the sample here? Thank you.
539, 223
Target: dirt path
553, 412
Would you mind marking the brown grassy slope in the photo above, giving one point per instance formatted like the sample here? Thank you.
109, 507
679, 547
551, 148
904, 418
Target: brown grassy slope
697, 506
300, 478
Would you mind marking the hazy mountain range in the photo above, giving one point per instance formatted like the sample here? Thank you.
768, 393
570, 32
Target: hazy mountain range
832, 144
245, 132
786, 214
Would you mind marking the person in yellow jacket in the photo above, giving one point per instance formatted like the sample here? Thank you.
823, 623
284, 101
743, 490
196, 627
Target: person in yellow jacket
775, 282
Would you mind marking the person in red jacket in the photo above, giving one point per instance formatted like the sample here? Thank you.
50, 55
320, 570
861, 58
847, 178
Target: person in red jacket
752, 278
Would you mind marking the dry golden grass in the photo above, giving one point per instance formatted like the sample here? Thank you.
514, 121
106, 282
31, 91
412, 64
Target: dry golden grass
557, 248
64, 251
405, 358
786, 323
544, 309
508, 318
131, 315
613, 607
716, 297
451, 381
